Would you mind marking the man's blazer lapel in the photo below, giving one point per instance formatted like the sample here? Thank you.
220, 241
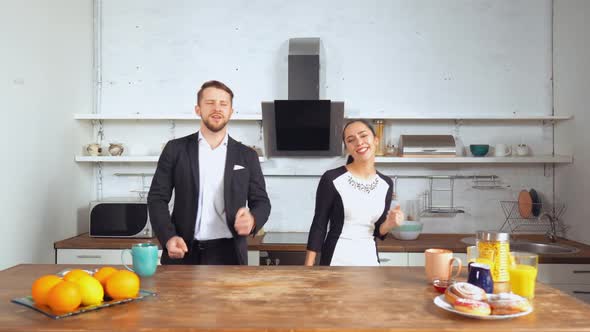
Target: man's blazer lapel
193, 153
227, 176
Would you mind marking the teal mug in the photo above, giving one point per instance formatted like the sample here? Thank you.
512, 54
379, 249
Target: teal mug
145, 259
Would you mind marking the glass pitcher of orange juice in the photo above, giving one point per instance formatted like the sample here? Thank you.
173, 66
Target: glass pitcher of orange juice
485, 256
523, 273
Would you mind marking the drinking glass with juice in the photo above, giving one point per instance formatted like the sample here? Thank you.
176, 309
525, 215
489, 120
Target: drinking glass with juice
523, 273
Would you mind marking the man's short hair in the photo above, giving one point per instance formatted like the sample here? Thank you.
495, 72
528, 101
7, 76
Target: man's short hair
217, 85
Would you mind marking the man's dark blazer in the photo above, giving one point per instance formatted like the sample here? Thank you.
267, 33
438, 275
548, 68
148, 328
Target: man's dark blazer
178, 169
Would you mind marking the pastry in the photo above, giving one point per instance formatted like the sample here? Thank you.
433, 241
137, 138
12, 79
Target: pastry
508, 304
473, 307
463, 290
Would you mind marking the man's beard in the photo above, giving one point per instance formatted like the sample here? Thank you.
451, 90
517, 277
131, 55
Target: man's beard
212, 127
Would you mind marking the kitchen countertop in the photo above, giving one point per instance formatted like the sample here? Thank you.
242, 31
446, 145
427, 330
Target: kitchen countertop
292, 298
425, 241
84, 241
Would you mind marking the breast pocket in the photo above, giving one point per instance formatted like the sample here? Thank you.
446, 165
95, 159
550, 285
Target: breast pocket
240, 182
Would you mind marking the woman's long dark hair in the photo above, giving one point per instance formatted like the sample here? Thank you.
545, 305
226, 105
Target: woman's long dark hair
366, 123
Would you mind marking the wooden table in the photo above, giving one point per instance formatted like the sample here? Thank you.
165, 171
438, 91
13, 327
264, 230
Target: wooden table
223, 298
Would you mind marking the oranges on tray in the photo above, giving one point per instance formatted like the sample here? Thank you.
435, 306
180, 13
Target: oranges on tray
80, 288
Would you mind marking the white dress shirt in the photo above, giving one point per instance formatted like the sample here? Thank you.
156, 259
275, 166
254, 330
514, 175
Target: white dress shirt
211, 222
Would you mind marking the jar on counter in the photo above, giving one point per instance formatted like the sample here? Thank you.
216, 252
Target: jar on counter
496, 247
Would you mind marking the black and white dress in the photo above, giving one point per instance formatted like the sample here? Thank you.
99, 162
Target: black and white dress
348, 213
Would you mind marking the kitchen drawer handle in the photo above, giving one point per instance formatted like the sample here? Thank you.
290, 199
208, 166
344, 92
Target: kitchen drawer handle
580, 292
89, 256
581, 271
383, 260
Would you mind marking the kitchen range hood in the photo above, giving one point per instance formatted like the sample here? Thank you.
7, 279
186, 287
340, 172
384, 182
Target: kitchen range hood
303, 124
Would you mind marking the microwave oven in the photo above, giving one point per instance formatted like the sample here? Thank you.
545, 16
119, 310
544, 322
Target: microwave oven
122, 219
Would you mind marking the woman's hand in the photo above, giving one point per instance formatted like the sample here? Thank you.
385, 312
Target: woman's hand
394, 218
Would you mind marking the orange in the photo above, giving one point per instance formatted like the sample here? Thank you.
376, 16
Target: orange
123, 284
103, 274
90, 290
64, 297
75, 275
42, 286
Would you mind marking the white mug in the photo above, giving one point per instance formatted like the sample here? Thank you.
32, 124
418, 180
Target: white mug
522, 149
502, 150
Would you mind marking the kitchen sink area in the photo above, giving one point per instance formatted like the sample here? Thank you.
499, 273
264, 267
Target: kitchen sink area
534, 247
543, 248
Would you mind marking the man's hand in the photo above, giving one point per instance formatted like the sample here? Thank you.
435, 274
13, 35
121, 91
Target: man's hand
244, 221
176, 247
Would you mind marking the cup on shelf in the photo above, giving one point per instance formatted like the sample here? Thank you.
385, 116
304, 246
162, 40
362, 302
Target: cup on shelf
93, 149
522, 150
502, 150
116, 149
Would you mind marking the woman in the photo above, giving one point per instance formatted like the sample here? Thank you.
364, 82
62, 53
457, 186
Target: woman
354, 200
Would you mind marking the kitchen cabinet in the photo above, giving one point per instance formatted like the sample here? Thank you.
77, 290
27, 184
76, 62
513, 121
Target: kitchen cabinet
113, 256
417, 258
94, 256
573, 279
253, 257
393, 258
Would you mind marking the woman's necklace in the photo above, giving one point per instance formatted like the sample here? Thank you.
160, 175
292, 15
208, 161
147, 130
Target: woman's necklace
364, 187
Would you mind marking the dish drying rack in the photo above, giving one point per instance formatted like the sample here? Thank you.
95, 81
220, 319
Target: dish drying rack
144, 189
435, 204
488, 183
548, 220
431, 209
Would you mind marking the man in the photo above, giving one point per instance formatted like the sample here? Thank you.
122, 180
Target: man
213, 176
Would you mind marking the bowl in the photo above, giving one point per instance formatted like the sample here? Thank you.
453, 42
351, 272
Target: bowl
479, 150
441, 285
408, 230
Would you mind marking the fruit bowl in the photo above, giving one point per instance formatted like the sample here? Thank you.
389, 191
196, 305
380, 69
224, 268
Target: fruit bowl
407, 231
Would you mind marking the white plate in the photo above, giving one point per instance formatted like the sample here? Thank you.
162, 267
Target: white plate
443, 304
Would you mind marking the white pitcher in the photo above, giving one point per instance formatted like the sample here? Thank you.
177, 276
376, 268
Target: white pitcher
502, 150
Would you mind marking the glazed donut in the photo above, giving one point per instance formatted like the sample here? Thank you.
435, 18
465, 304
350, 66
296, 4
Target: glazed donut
463, 290
473, 307
508, 304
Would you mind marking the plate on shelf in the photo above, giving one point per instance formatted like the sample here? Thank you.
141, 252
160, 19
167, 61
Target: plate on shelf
536, 210
27, 301
525, 204
440, 302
